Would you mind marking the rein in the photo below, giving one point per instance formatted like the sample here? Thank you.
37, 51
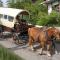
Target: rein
48, 38
46, 34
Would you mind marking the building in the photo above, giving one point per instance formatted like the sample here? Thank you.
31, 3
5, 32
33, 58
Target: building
52, 4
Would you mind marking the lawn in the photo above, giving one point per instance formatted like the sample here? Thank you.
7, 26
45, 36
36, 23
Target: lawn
6, 54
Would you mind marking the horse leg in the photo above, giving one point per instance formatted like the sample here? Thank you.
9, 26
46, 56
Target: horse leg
48, 49
54, 47
30, 43
42, 47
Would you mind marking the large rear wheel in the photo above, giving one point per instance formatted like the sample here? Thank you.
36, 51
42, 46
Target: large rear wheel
16, 39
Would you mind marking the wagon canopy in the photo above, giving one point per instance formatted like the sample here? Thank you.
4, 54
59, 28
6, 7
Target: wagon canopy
12, 11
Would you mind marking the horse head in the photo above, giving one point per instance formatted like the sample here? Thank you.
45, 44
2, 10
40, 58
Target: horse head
54, 32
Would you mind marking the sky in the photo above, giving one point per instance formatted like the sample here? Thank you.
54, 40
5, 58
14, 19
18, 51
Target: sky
4, 2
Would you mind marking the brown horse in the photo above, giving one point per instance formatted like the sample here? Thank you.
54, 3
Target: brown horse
43, 37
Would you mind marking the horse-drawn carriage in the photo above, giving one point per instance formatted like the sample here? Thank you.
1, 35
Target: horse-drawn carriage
14, 21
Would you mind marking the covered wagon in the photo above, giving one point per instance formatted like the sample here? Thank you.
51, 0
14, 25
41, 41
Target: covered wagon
14, 20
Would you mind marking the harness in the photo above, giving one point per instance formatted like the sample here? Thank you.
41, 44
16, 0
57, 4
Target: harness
50, 39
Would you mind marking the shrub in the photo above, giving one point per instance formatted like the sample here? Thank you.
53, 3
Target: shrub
49, 20
5, 54
43, 20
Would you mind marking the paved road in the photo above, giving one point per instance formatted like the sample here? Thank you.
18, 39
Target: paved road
25, 53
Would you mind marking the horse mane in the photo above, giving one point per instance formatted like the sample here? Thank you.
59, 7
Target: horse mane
46, 28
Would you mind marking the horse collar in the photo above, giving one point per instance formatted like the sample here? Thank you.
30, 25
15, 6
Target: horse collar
46, 34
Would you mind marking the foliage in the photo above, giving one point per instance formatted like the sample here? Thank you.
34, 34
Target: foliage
38, 12
43, 20
17, 4
50, 20
8, 55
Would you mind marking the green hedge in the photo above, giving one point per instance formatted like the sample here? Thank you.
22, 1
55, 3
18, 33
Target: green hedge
5, 54
47, 20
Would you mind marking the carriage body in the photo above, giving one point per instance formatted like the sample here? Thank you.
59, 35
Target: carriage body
13, 21
9, 16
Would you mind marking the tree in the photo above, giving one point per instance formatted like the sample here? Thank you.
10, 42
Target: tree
36, 9
17, 3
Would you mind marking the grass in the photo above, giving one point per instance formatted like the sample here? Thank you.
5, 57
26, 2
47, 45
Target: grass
6, 54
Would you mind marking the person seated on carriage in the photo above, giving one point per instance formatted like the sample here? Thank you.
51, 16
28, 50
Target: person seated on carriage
23, 26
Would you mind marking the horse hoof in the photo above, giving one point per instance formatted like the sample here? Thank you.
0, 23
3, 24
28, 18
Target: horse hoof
33, 49
49, 55
40, 53
56, 52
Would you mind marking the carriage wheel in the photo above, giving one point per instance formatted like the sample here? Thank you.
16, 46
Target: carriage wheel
1, 34
17, 40
14, 37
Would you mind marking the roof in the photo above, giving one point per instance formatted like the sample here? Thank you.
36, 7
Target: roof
11, 11
49, 1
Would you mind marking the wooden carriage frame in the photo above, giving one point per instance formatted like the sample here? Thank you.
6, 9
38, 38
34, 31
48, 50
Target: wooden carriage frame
9, 16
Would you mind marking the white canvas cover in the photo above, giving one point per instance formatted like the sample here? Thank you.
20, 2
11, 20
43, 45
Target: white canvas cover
11, 11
